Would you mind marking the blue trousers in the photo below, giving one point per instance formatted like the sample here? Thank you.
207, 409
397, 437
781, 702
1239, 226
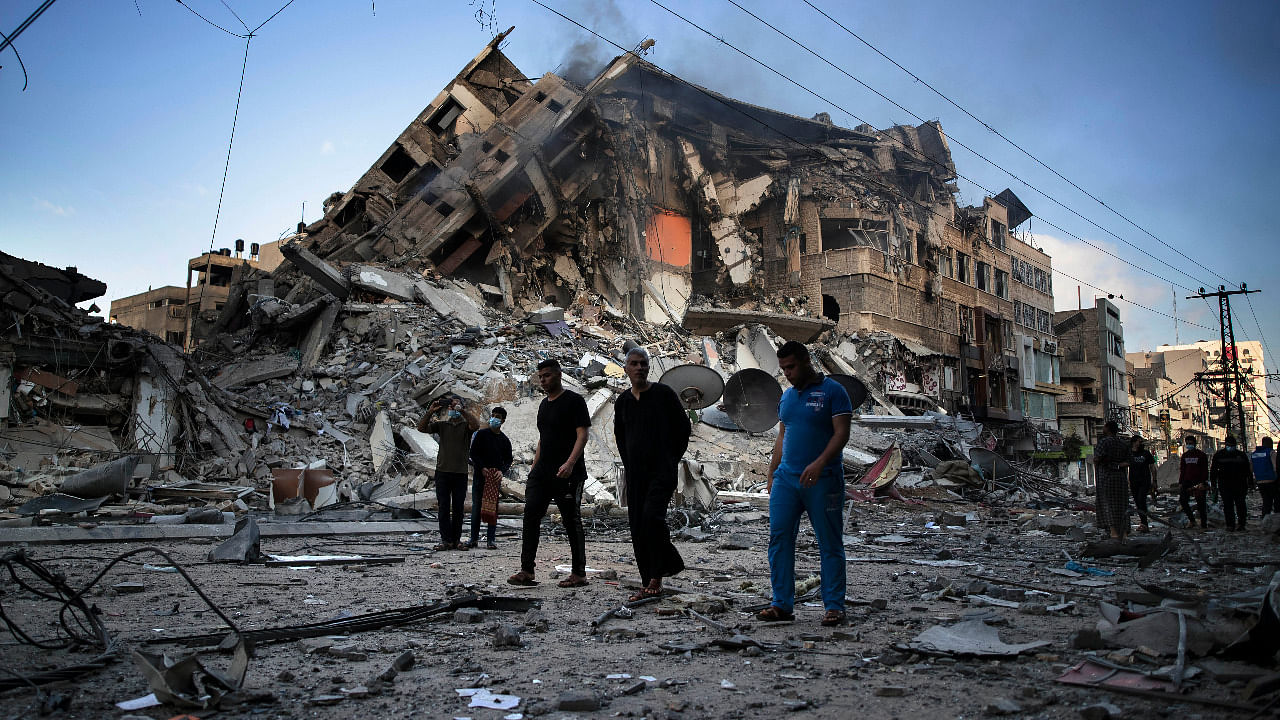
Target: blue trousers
824, 502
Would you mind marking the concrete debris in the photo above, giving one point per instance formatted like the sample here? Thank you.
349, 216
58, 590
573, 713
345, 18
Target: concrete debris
969, 638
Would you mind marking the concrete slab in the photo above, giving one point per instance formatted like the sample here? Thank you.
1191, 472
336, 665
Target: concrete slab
709, 321
383, 282
256, 371
322, 272
381, 443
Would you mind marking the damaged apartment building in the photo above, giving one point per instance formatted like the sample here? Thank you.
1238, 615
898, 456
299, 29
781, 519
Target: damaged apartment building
677, 204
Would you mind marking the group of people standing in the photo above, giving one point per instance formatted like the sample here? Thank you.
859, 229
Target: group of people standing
652, 430
1231, 473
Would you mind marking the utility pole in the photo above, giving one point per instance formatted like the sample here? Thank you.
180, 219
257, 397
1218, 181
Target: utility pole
1231, 382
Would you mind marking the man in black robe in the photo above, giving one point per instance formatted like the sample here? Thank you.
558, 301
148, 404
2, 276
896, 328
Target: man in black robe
652, 431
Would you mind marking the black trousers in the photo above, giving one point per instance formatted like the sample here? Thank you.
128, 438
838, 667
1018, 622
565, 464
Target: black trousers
1141, 490
1269, 492
1184, 497
541, 489
477, 499
648, 494
451, 492
1233, 492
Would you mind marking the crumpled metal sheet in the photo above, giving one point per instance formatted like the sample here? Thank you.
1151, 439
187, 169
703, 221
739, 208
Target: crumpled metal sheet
971, 637
187, 682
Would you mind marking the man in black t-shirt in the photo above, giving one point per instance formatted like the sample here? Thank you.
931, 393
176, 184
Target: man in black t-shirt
558, 474
1142, 477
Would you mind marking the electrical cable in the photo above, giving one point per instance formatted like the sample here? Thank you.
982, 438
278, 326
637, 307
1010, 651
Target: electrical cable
1011, 142
16, 54
210, 22
915, 152
868, 179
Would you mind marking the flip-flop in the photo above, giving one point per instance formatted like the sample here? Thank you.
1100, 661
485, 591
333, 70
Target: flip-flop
573, 581
522, 579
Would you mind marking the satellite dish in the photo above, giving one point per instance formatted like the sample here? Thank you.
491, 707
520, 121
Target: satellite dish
855, 387
751, 398
697, 385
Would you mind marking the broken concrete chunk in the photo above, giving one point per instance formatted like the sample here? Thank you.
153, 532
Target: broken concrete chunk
322, 272
110, 478
383, 282
577, 701
507, 636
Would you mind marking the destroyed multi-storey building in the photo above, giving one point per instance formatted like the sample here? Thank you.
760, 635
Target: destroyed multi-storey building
1093, 370
677, 204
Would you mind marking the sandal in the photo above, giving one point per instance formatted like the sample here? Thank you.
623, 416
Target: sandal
443, 546
573, 581
491, 546
464, 546
833, 618
645, 594
522, 578
773, 613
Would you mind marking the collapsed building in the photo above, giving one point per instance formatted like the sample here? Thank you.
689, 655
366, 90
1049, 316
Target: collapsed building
673, 203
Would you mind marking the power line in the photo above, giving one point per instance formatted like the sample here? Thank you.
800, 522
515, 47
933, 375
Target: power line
21, 64
818, 153
1265, 344
915, 152
35, 14
1000, 135
210, 22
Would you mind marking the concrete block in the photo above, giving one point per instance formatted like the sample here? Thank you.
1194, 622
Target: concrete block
322, 272
383, 282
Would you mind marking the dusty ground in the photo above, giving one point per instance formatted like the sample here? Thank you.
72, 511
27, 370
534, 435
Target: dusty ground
806, 668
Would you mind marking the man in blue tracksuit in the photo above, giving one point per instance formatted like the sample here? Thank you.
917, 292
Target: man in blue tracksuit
806, 475
1264, 474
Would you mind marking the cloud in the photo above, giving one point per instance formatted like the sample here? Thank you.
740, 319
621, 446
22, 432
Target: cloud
62, 210
326, 148
1144, 329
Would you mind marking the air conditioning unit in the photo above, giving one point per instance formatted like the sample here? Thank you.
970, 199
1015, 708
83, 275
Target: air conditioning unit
1050, 347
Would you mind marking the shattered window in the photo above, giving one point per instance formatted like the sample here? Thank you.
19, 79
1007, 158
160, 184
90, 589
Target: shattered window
442, 120
1042, 280
838, 233
1017, 270
962, 268
922, 249
398, 165
983, 276
946, 262
997, 234
965, 315
1044, 321
1002, 284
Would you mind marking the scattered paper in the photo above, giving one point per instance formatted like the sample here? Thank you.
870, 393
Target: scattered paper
145, 701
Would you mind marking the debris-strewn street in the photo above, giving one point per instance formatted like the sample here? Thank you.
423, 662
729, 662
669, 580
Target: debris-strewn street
244, 522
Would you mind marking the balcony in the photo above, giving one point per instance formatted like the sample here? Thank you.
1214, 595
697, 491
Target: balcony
1080, 410
1078, 369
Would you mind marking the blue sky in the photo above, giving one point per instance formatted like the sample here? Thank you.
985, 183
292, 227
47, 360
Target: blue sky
113, 156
